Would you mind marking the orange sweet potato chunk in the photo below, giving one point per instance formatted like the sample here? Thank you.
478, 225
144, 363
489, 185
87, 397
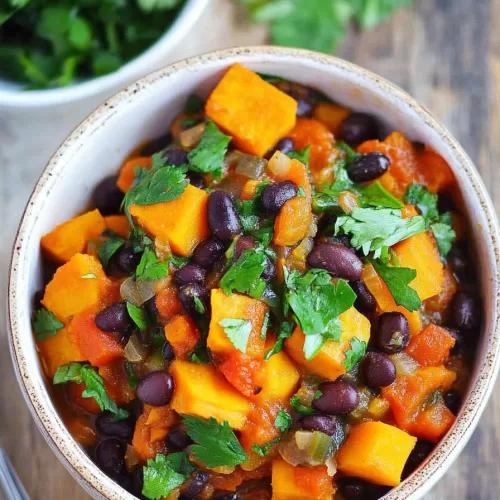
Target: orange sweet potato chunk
243, 372
201, 391
69, 293
70, 237
253, 111
183, 335
331, 115
376, 452
168, 303
293, 222
97, 346
59, 350
433, 423
235, 306
328, 363
118, 224
182, 222
127, 172
431, 347
436, 173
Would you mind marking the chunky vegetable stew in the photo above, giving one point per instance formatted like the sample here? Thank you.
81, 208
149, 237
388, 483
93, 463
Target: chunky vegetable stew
274, 300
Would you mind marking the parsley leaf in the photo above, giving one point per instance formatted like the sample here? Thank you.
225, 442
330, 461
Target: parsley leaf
397, 280
316, 303
425, 201
215, 444
179, 461
238, 332
138, 316
376, 195
300, 154
133, 379
445, 236
94, 386
108, 248
373, 228
283, 421
46, 324
263, 450
208, 156
160, 480
354, 354
244, 275
285, 332
265, 326
297, 404
150, 267
318, 394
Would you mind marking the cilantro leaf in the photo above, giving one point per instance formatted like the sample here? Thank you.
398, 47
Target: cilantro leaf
244, 275
373, 228
354, 354
397, 280
208, 156
94, 386
318, 394
283, 421
300, 154
263, 450
265, 326
133, 379
215, 444
150, 267
376, 195
138, 316
108, 248
238, 332
180, 463
46, 324
445, 236
285, 332
425, 201
297, 404
160, 480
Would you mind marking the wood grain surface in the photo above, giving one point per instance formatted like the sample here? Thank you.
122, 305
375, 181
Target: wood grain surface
446, 53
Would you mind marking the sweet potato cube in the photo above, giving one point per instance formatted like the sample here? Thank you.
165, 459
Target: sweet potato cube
118, 224
201, 391
433, 423
182, 222
127, 172
332, 115
328, 363
376, 452
236, 306
431, 346
59, 350
300, 483
70, 237
183, 335
253, 111
293, 222
280, 379
71, 293
420, 252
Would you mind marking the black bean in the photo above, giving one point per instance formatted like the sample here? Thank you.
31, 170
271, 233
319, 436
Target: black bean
368, 167
110, 456
393, 332
304, 108
114, 319
358, 128
464, 313
135, 409
269, 271
274, 196
322, 423
244, 243
352, 488
107, 198
338, 398
177, 439
207, 253
365, 302
417, 456
223, 218
176, 157
151, 308
195, 484
106, 426
125, 261
155, 389
189, 273
378, 369
138, 481
302, 94
446, 203
196, 180
157, 145
167, 351
338, 260
452, 400
195, 299
284, 145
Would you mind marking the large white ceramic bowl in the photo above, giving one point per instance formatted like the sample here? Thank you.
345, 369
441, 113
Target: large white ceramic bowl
12, 95
143, 111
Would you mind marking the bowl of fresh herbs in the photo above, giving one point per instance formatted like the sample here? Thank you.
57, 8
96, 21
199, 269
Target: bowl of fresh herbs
60, 51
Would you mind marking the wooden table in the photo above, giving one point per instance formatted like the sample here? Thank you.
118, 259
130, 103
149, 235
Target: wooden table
446, 53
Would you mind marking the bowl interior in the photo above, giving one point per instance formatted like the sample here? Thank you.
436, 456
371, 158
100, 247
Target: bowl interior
144, 111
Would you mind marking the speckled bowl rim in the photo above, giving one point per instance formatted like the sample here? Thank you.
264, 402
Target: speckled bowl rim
67, 449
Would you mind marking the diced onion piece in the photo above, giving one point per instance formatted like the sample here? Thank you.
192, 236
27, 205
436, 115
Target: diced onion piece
137, 291
348, 201
307, 448
405, 365
251, 166
162, 249
331, 466
191, 137
279, 165
135, 351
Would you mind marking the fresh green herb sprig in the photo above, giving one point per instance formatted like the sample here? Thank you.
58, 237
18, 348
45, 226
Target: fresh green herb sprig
46, 324
238, 332
354, 354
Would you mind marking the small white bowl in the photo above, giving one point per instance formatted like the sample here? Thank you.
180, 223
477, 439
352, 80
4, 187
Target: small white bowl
12, 95
141, 112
